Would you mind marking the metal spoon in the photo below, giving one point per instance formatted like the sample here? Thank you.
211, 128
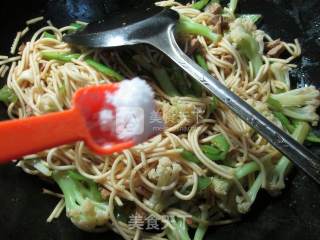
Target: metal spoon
156, 27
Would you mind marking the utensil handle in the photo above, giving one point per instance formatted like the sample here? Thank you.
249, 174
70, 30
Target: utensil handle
31, 135
300, 155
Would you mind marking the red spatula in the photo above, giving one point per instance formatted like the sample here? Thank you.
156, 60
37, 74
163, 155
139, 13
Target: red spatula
35, 134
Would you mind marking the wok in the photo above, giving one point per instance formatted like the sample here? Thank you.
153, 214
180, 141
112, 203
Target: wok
293, 215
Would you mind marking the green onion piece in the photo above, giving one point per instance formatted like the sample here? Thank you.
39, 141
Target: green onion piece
200, 4
274, 104
213, 153
284, 121
186, 25
164, 82
7, 95
49, 35
190, 156
251, 17
221, 143
201, 61
203, 183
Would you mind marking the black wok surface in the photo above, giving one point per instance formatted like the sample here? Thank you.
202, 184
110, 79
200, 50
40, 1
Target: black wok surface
293, 215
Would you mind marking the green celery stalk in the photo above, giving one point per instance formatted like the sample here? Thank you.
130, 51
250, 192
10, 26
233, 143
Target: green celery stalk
284, 121
200, 4
68, 57
164, 82
201, 61
186, 25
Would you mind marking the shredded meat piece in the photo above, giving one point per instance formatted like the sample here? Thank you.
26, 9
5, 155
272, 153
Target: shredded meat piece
228, 58
214, 8
104, 194
21, 48
275, 48
194, 45
218, 28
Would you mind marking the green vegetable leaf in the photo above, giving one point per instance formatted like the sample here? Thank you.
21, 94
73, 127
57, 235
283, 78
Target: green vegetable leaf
7, 95
213, 153
221, 143
190, 156
49, 35
203, 183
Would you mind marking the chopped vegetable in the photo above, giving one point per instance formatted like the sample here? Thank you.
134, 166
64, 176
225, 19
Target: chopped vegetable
163, 175
68, 57
254, 18
300, 104
284, 121
213, 153
190, 156
233, 5
221, 143
181, 82
201, 61
181, 229
281, 73
278, 174
104, 69
200, 4
203, 183
84, 204
202, 227
242, 204
78, 26
49, 35
220, 186
213, 104
164, 82
246, 169
186, 25
274, 104
313, 137
247, 45
7, 95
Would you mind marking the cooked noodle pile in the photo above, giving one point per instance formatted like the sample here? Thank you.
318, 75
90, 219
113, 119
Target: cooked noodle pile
206, 161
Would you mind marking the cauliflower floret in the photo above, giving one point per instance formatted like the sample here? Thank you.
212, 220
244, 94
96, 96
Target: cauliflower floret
163, 175
179, 110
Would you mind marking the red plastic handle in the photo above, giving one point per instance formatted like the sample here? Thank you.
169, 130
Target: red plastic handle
31, 135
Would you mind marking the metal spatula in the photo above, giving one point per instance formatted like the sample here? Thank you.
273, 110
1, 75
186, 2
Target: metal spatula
156, 27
